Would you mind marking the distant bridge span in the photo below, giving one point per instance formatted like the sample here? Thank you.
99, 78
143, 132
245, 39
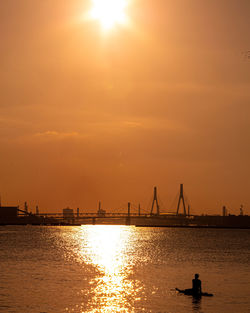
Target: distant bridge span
91, 215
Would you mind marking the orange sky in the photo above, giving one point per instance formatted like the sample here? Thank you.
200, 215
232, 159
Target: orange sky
88, 115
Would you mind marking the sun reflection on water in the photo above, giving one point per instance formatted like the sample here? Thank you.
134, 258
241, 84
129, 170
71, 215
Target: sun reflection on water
106, 246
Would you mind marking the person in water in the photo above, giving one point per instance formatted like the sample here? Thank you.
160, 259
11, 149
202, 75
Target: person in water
196, 284
196, 287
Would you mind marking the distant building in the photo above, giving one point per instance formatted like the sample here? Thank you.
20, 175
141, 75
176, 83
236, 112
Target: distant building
68, 214
8, 214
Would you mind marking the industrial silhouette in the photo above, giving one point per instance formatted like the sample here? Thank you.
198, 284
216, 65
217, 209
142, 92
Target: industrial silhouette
135, 215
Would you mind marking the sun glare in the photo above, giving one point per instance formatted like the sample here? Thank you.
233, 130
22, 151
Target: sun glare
109, 12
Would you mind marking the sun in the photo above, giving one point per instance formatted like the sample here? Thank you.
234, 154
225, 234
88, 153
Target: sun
109, 12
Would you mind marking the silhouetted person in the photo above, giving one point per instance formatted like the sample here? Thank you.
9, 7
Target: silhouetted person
196, 289
196, 285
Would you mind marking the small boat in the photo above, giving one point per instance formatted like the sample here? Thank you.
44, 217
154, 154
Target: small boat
190, 292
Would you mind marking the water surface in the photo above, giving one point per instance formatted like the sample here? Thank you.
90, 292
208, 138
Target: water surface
122, 269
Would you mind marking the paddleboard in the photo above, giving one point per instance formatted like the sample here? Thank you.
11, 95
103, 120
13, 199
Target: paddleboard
189, 292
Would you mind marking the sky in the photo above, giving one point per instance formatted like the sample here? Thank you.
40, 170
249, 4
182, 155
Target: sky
90, 114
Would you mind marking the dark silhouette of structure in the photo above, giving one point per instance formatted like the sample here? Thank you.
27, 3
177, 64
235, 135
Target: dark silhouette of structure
224, 211
100, 212
181, 199
17, 216
128, 220
155, 201
8, 213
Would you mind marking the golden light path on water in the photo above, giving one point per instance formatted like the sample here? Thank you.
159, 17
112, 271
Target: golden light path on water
106, 249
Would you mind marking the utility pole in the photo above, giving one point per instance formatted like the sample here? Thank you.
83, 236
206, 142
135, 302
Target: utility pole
224, 211
241, 210
128, 209
128, 216
25, 207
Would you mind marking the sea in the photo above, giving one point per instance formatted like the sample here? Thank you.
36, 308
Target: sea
105, 268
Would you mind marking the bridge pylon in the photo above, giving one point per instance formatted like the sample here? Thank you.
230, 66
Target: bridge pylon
181, 199
155, 201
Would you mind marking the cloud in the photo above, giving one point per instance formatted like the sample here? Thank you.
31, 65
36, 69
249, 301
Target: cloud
51, 134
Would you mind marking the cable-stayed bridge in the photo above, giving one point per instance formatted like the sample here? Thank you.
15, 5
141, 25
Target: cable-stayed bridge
126, 211
129, 214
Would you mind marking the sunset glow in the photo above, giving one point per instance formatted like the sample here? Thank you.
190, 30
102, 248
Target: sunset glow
101, 100
109, 12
